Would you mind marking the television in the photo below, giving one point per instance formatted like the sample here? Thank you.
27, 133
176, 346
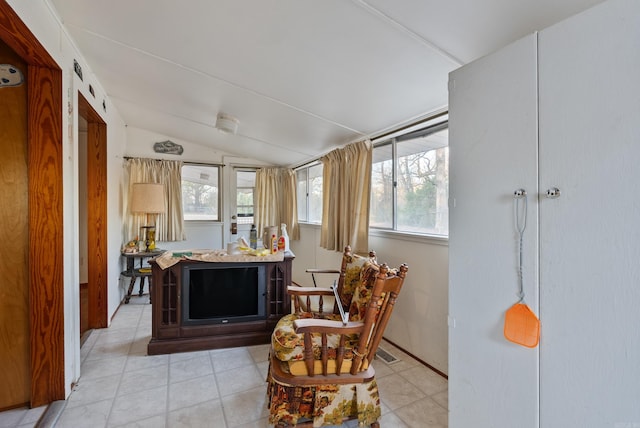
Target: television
222, 293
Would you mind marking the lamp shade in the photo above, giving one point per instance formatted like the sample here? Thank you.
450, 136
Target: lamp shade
147, 198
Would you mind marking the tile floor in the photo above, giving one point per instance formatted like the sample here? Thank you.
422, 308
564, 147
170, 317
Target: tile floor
121, 386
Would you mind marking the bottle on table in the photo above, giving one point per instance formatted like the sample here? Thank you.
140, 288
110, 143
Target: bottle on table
285, 236
253, 237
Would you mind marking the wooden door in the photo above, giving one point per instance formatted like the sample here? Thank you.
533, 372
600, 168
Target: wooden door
590, 235
14, 287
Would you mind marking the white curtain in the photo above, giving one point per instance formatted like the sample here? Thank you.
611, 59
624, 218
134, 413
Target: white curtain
170, 224
276, 200
346, 188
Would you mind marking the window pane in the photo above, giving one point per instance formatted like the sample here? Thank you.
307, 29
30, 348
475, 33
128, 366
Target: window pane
381, 210
315, 194
423, 184
245, 185
301, 178
200, 196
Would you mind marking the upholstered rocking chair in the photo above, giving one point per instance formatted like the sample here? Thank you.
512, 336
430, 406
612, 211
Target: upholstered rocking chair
305, 299
320, 366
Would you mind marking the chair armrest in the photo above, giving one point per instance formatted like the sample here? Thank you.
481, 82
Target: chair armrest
312, 325
309, 291
322, 271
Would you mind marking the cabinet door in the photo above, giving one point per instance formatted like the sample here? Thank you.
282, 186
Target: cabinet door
590, 235
493, 152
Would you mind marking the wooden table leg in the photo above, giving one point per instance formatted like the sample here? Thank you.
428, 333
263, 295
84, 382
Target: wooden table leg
131, 284
140, 292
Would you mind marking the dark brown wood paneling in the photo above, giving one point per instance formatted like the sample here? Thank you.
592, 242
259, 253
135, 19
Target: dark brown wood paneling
15, 363
46, 306
45, 235
97, 223
19, 38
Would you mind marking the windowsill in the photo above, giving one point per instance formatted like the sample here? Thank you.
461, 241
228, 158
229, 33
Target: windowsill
413, 237
401, 236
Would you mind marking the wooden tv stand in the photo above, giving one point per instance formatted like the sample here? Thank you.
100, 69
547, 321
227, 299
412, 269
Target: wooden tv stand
169, 335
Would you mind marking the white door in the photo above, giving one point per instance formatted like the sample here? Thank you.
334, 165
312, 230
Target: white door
242, 200
493, 152
590, 235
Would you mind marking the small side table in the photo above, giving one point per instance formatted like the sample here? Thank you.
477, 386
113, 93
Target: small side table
141, 272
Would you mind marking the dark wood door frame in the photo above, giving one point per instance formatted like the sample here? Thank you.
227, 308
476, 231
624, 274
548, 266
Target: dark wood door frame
46, 285
96, 214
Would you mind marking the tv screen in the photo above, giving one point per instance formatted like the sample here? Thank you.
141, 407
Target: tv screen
222, 294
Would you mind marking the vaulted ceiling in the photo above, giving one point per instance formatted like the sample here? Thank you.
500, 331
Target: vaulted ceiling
301, 76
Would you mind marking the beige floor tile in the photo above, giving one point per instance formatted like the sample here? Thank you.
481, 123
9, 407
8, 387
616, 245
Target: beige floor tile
426, 380
442, 398
391, 420
152, 422
423, 413
12, 418
230, 359
94, 369
238, 380
89, 391
245, 407
259, 353
138, 406
190, 368
192, 391
396, 392
142, 380
92, 415
32, 415
204, 415
143, 361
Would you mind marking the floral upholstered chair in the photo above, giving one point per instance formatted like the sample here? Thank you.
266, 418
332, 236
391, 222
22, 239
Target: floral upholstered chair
320, 371
348, 280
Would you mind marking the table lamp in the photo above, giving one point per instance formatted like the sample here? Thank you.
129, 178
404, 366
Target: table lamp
148, 198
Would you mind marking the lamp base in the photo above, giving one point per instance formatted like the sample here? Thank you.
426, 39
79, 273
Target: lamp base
149, 233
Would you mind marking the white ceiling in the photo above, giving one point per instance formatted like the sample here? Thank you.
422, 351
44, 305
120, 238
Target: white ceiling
302, 76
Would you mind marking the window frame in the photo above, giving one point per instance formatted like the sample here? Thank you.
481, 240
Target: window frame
218, 168
307, 201
237, 170
435, 124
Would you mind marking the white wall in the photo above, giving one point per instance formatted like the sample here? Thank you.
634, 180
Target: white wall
44, 24
419, 321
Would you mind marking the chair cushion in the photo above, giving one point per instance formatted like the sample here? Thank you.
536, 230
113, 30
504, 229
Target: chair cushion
352, 276
289, 345
362, 293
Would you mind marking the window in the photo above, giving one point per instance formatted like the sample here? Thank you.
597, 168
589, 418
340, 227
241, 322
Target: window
245, 186
309, 188
200, 192
410, 182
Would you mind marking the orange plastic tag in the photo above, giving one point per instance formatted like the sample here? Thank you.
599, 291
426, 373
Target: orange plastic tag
522, 326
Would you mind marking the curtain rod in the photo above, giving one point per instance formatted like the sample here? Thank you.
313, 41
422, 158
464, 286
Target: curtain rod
385, 135
409, 126
186, 162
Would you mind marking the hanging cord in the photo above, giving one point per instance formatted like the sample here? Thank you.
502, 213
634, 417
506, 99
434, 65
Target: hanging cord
520, 215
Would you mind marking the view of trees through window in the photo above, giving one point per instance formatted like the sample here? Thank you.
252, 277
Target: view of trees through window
409, 183
409, 191
200, 192
309, 188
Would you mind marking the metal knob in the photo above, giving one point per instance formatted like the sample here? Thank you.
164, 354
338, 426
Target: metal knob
520, 193
553, 193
